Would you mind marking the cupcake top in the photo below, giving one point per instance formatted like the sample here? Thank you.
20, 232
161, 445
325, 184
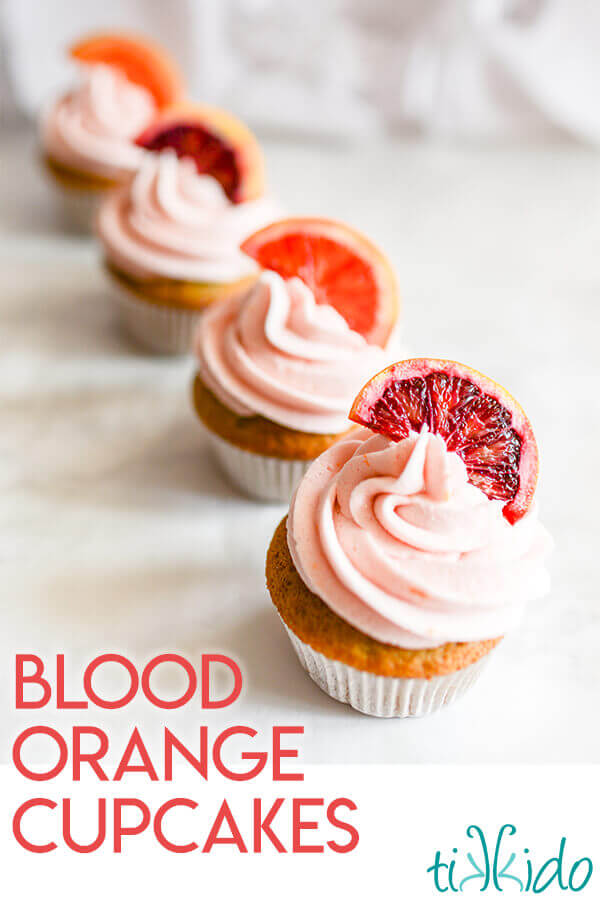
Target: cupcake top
171, 221
275, 352
397, 542
91, 129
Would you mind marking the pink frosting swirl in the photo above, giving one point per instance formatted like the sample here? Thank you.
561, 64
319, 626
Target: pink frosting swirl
395, 540
277, 353
174, 222
92, 128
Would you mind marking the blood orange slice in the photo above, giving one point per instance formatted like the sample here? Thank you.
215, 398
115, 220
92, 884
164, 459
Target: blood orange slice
141, 61
219, 144
477, 418
341, 267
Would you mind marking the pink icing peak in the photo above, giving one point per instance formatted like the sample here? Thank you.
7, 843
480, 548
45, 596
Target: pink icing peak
397, 542
277, 353
92, 128
174, 222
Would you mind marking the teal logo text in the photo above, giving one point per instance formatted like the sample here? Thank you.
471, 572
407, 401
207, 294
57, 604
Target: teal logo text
500, 862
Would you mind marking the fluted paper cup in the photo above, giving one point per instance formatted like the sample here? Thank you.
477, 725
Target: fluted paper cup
266, 478
381, 695
161, 329
76, 207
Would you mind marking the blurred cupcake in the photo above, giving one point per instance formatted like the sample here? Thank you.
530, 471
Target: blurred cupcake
277, 370
171, 247
171, 237
87, 135
403, 562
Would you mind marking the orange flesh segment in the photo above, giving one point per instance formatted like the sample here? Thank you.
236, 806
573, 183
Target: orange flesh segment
339, 265
219, 144
333, 272
477, 418
141, 61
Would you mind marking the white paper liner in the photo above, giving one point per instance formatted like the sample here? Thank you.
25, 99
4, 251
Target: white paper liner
161, 329
75, 207
384, 696
262, 477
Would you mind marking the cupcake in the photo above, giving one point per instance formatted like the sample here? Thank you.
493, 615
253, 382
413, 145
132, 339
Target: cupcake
277, 370
87, 135
171, 236
411, 547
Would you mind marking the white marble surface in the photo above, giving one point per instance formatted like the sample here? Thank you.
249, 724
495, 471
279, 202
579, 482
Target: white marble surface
117, 532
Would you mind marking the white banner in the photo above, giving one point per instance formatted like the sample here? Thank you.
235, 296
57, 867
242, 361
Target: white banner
345, 831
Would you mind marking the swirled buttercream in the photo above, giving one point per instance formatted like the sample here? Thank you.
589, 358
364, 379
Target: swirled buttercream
173, 222
92, 128
277, 353
395, 540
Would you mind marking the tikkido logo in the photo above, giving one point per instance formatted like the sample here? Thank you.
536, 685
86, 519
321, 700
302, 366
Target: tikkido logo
501, 865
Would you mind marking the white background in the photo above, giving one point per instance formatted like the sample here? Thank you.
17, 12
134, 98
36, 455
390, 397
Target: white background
118, 533
343, 68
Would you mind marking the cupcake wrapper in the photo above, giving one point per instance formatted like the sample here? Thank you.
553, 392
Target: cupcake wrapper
262, 477
161, 329
76, 208
383, 696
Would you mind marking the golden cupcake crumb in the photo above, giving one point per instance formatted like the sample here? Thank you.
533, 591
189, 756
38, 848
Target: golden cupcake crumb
255, 433
189, 295
74, 179
317, 625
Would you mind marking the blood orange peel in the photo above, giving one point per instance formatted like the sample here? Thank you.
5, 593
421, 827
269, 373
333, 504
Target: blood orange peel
340, 265
142, 61
219, 144
478, 419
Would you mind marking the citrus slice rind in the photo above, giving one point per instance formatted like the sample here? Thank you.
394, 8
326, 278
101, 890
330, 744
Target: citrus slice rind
340, 265
478, 419
219, 144
142, 61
